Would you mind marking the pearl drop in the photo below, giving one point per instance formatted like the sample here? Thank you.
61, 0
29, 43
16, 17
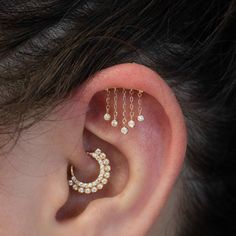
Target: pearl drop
114, 123
131, 124
140, 118
107, 117
124, 130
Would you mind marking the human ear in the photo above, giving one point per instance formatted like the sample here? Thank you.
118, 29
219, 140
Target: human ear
145, 163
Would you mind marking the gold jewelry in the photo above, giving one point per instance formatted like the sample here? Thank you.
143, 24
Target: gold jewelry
131, 123
124, 129
101, 180
140, 116
114, 122
132, 101
107, 115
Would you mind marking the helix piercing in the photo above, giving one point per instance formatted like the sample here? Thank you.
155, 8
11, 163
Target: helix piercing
107, 115
124, 129
140, 116
131, 123
101, 180
114, 122
135, 97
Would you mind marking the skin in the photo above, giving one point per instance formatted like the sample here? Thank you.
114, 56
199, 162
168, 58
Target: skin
146, 164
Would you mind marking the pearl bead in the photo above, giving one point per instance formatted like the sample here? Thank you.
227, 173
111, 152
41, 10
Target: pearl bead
107, 117
124, 130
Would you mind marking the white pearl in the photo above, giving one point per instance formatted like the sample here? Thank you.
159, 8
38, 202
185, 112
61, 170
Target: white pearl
87, 190
107, 175
100, 186
124, 130
81, 190
107, 168
131, 124
75, 187
94, 189
107, 117
98, 151
114, 123
140, 118
102, 156
104, 181
106, 162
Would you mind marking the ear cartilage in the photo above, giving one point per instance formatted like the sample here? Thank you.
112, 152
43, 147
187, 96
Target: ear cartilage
128, 110
107, 115
102, 179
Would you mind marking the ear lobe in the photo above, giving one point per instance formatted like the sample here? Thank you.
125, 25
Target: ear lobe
147, 160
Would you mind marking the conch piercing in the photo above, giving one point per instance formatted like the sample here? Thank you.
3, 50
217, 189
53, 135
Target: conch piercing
101, 180
128, 110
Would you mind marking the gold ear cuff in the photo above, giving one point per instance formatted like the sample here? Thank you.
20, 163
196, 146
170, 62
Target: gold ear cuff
101, 180
131, 106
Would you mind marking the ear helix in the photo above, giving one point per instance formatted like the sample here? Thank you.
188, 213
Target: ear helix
129, 108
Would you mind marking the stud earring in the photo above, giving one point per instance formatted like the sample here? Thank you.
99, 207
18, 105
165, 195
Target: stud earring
101, 180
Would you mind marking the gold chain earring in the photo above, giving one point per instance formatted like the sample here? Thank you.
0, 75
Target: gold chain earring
135, 97
107, 115
114, 122
131, 123
140, 109
124, 129
101, 180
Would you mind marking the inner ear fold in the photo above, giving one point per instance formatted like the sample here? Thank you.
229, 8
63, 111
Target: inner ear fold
76, 202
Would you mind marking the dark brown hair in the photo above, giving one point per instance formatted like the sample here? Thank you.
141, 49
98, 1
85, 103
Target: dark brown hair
48, 48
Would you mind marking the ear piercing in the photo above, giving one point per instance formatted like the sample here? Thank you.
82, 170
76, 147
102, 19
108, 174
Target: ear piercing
107, 115
124, 129
140, 116
101, 180
131, 123
127, 110
114, 122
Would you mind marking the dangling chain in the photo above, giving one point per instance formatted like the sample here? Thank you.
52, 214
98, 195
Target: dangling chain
131, 123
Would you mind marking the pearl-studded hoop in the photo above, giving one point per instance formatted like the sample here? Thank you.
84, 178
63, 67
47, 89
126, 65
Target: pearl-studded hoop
101, 180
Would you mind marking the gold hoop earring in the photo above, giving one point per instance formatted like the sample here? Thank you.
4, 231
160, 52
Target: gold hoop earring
101, 180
